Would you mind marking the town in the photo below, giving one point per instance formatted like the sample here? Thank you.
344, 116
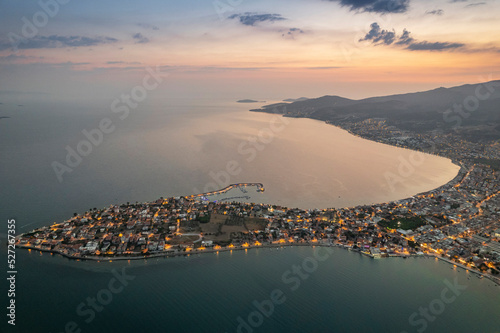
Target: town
458, 222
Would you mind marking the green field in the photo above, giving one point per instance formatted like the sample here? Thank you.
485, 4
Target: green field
407, 223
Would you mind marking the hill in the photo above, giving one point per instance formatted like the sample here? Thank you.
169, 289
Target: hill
472, 111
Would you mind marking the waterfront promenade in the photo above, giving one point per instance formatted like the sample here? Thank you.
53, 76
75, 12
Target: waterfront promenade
276, 245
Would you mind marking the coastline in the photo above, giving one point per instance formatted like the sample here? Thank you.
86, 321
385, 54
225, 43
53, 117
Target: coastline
452, 160
492, 278
433, 152
455, 180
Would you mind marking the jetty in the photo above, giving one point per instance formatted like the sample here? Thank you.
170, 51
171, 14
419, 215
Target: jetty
260, 188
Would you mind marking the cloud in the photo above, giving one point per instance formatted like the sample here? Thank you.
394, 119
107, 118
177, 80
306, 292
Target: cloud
379, 36
19, 92
69, 64
117, 68
384, 37
377, 6
489, 49
122, 62
140, 38
183, 69
435, 12
56, 41
475, 4
436, 46
324, 67
15, 57
292, 32
405, 38
148, 26
251, 19
469, 5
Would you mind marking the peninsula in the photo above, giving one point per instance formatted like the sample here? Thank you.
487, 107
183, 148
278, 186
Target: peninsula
458, 222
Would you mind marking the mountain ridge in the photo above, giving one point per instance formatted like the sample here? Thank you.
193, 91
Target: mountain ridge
470, 110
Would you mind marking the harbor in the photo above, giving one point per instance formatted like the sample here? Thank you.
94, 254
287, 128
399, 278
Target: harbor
241, 186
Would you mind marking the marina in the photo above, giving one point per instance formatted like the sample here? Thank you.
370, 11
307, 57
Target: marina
241, 186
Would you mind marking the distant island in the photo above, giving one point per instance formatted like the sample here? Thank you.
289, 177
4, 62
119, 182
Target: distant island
458, 222
249, 101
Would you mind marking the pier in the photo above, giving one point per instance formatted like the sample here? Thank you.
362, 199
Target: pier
260, 188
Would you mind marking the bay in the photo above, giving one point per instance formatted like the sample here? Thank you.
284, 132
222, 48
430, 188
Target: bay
179, 147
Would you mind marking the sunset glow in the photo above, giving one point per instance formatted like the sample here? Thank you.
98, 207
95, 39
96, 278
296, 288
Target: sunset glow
296, 47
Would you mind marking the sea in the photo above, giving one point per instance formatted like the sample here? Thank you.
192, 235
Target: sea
63, 157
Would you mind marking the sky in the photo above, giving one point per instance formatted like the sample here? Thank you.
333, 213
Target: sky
260, 49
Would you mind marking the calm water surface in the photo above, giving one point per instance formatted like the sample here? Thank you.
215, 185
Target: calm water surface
208, 293
182, 147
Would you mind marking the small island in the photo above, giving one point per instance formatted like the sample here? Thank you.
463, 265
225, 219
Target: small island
249, 101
